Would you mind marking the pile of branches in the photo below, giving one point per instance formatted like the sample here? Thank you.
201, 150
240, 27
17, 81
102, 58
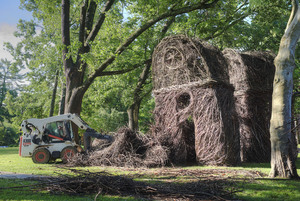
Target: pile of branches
101, 183
129, 149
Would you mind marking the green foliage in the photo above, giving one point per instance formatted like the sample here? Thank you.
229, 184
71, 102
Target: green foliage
146, 117
8, 136
239, 24
216, 24
297, 88
9, 77
103, 108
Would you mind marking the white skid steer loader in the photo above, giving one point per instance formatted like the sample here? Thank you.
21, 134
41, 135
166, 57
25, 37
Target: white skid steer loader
52, 138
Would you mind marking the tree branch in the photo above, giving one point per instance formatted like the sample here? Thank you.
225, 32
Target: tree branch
142, 29
146, 71
118, 72
295, 8
83, 10
169, 13
82, 21
86, 23
142, 80
99, 23
90, 17
292, 30
167, 26
221, 31
65, 29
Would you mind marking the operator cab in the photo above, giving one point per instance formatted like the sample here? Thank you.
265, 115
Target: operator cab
58, 131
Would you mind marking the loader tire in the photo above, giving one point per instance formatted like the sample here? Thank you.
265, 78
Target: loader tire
41, 155
67, 153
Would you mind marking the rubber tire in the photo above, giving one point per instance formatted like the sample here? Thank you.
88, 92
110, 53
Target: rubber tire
41, 155
67, 153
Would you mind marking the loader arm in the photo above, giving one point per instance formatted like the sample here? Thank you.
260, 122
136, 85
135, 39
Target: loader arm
89, 132
40, 124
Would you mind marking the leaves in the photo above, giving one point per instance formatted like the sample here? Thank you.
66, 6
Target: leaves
240, 24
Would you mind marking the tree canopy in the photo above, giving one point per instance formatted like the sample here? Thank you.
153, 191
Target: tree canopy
98, 50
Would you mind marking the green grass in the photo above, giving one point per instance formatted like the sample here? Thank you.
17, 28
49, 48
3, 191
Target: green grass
271, 190
263, 188
12, 162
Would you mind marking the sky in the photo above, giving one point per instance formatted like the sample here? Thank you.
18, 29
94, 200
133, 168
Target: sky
10, 13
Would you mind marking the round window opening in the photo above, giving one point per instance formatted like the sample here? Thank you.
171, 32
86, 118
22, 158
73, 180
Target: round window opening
183, 101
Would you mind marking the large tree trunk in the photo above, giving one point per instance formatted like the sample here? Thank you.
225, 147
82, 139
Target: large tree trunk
74, 96
74, 77
282, 159
73, 101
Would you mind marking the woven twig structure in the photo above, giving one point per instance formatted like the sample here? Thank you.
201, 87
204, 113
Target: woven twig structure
252, 74
210, 107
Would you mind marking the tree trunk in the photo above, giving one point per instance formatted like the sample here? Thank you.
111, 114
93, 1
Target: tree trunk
133, 115
282, 160
73, 76
297, 125
73, 101
134, 109
61, 109
52, 105
3, 89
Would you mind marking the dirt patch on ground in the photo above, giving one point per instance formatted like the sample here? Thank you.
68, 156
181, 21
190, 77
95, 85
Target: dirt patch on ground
11, 175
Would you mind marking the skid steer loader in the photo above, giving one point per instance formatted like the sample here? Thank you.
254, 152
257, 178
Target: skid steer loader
51, 138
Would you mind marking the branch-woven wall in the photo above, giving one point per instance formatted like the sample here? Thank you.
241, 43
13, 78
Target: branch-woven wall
199, 107
252, 74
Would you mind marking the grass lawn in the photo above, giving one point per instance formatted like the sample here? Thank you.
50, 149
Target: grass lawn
259, 188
